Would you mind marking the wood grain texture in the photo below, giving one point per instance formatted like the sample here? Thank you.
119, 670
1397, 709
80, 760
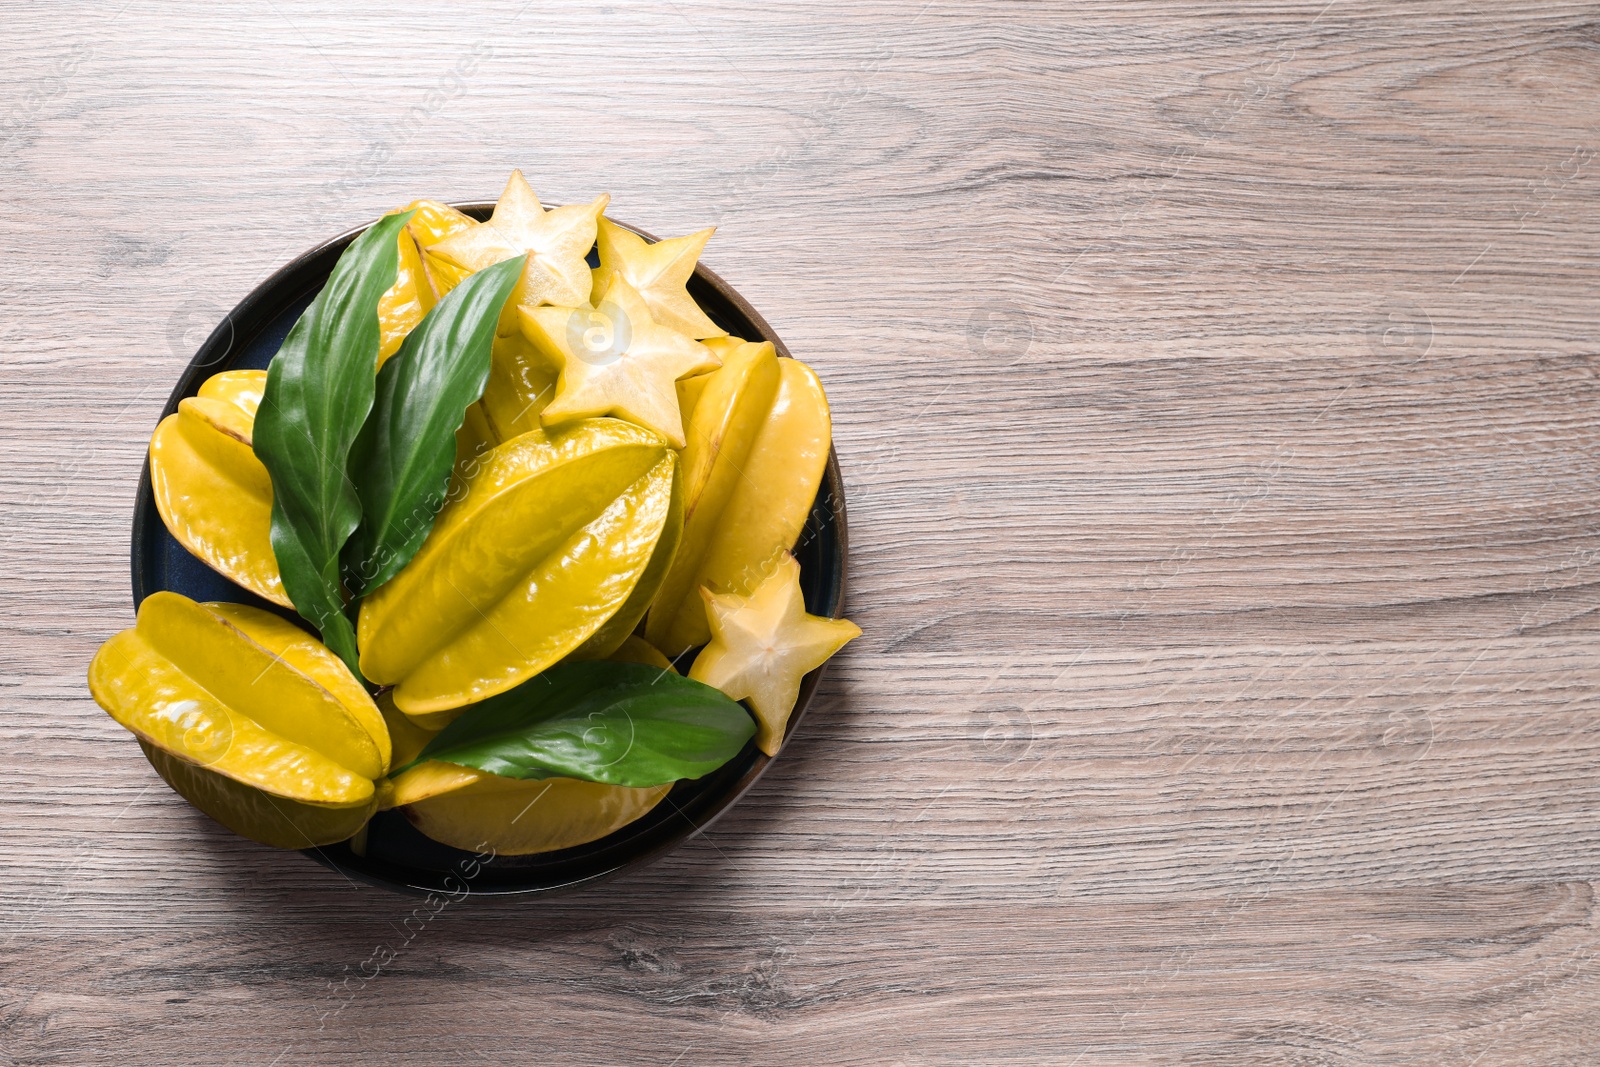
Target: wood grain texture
1216, 391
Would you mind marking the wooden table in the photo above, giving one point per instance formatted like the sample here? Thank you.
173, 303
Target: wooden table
1216, 390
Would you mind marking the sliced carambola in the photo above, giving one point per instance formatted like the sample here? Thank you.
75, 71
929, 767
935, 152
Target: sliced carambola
659, 271
615, 359
763, 644
556, 241
255, 813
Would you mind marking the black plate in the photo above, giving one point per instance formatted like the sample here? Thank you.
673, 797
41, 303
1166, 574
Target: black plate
396, 855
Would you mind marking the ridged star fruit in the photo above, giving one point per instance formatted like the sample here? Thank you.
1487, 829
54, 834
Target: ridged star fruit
255, 813
516, 817
758, 440
549, 539
213, 494
431, 223
569, 813
521, 385
248, 717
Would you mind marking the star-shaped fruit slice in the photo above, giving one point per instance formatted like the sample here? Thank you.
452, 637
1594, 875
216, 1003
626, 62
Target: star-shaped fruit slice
763, 644
660, 272
556, 242
615, 359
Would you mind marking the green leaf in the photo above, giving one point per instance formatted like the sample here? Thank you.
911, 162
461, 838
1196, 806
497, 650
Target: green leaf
319, 391
617, 723
402, 459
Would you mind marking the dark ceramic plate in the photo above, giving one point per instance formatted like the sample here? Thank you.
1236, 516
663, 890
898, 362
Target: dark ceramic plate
396, 855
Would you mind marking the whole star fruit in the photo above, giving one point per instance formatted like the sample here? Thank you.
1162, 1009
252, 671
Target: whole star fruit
758, 443
547, 542
564, 816
432, 223
517, 818
410, 298
434, 777
521, 385
254, 813
211, 491
248, 716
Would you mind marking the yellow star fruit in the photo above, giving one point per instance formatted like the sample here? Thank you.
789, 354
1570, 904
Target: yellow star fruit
758, 441
556, 241
660, 272
521, 384
548, 542
212, 492
254, 813
763, 644
431, 223
637, 650
248, 717
725, 345
615, 359
690, 388
517, 818
241, 388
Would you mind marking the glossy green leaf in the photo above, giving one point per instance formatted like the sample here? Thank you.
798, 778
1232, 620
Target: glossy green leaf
319, 391
617, 723
402, 459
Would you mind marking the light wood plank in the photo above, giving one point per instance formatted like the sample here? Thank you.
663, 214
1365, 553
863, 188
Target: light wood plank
1215, 388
